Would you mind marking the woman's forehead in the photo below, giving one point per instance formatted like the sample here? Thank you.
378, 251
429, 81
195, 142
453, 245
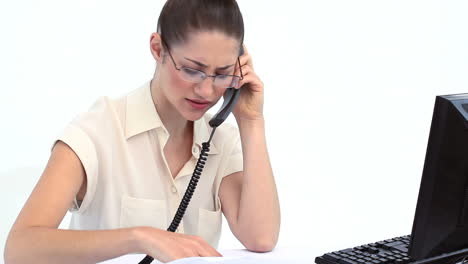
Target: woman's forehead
210, 47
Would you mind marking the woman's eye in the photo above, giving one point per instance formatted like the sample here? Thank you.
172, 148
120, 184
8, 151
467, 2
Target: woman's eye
190, 71
222, 76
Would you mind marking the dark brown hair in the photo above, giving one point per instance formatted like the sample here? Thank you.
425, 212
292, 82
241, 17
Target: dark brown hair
178, 18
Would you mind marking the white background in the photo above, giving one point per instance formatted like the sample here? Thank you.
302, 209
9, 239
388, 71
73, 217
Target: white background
349, 90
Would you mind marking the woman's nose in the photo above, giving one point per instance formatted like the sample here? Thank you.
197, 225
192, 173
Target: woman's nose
205, 88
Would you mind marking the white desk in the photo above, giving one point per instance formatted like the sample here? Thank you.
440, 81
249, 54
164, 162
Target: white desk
280, 255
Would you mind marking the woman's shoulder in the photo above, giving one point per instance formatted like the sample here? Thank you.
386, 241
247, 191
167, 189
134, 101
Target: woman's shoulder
103, 111
105, 115
113, 108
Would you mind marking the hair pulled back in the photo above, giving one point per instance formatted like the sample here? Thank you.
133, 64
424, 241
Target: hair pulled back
179, 18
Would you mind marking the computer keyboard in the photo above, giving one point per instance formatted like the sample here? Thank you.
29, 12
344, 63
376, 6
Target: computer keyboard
389, 251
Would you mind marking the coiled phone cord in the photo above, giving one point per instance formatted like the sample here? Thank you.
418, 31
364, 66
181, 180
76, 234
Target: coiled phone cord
188, 193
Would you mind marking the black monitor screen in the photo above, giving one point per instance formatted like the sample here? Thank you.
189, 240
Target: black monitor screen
441, 218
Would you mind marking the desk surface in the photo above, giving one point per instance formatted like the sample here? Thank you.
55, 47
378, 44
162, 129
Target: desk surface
281, 255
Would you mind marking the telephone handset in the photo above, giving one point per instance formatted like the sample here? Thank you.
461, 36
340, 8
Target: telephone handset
230, 98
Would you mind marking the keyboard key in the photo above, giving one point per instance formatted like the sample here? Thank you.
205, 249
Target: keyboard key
380, 243
402, 248
393, 244
331, 257
386, 247
346, 261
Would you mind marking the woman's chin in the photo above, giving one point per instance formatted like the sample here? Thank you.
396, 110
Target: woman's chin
193, 116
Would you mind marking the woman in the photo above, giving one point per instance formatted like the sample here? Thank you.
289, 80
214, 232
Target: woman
125, 164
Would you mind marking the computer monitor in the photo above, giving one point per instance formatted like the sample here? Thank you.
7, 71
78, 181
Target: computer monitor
441, 218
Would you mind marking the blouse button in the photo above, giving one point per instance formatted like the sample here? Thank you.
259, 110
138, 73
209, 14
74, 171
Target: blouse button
173, 189
195, 150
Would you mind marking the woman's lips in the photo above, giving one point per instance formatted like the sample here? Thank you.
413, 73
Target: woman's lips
197, 104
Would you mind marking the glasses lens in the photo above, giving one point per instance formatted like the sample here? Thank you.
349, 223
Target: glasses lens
191, 75
226, 81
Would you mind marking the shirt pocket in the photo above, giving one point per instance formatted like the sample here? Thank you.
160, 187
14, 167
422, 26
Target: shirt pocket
210, 223
142, 212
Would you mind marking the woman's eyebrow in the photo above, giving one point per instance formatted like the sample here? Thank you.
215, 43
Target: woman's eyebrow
206, 66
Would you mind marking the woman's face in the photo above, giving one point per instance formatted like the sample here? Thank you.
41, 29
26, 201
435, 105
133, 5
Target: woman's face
211, 52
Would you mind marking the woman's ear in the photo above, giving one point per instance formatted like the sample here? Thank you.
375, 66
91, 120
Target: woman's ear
156, 47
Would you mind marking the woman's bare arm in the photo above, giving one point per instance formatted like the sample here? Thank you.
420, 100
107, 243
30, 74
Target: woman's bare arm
34, 237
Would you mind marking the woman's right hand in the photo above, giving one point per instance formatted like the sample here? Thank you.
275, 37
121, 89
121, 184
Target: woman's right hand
167, 246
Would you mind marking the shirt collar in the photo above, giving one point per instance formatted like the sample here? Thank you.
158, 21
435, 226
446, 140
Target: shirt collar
142, 116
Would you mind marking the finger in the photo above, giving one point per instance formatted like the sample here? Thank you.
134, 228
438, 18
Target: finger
208, 250
189, 252
246, 60
207, 247
246, 70
249, 61
213, 251
200, 248
255, 83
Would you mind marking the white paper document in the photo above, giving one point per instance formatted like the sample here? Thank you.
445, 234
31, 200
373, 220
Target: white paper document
237, 256
227, 260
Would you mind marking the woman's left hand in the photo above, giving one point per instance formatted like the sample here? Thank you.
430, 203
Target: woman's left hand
250, 104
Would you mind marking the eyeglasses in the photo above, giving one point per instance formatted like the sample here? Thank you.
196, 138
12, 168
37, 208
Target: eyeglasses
196, 76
